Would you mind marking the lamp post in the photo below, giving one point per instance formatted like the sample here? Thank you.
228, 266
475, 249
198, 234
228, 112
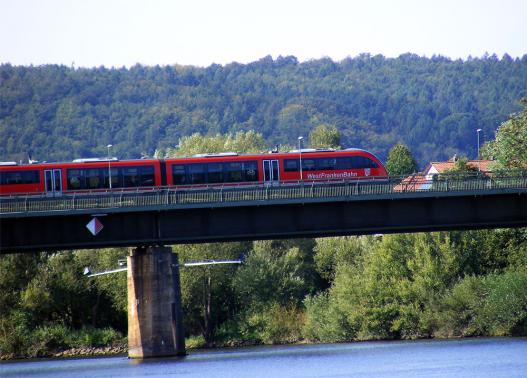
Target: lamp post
478, 131
109, 167
300, 152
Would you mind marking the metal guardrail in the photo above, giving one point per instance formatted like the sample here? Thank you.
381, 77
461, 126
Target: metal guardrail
352, 189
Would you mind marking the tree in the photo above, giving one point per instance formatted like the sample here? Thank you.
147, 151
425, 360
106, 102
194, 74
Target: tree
400, 161
510, 147
324, 136
241, 142
207, 295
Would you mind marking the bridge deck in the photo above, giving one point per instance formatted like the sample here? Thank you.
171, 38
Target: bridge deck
228, 196
170, 216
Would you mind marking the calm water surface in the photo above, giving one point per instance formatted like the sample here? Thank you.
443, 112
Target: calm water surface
502, 357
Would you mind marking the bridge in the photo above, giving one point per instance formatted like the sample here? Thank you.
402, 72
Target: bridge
229, 213
150, 219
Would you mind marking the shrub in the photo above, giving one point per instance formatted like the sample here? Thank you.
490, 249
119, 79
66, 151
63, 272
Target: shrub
14, 334
505, 309
459, 310
48, 339
324, 322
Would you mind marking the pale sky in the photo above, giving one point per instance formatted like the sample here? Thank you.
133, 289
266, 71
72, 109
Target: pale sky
117, 33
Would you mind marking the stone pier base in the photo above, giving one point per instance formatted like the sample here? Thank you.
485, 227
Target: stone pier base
155, 318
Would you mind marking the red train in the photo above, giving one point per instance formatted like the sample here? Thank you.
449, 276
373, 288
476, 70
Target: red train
84, 175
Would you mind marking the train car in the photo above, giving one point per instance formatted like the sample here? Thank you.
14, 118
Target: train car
274, 168
102, 175
82, 175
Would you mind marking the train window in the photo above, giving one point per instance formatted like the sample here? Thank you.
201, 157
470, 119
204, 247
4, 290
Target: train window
130, 177
178, 174
373, 164
324, 164
19, 177
93, 179
147, 175
116, 174
308, 164
215, 172
234, 172
74, 179
291, 165
196, 173
251, 170
359, 162
117, 178
344, 163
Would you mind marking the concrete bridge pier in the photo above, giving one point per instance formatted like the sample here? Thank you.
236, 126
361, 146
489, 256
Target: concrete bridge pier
155, 317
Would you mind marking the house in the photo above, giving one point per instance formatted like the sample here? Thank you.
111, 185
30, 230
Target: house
424, 180
435, 168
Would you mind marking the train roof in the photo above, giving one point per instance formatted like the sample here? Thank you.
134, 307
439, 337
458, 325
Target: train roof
94, 160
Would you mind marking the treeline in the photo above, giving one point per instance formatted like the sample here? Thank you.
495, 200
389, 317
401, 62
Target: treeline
432, 104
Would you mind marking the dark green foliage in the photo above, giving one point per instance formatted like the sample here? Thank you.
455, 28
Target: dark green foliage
433, 104
421, 285
494, 305
48, 304
510, 147
400, 161
324, 136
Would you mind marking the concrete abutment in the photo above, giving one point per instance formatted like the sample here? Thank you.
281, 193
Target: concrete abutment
155, 316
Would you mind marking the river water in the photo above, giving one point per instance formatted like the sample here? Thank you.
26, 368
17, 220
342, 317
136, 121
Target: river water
496, 357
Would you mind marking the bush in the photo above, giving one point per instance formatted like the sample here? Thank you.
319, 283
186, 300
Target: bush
505, 310
274, 324
97, 337
193, 342
459, 310
494, 305
324, 322
15, 336
48, 339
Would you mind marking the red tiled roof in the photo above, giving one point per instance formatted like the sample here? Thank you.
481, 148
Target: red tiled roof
442, 166
420, 182
411, 183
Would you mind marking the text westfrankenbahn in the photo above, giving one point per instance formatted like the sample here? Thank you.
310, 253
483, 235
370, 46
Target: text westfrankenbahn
326, 176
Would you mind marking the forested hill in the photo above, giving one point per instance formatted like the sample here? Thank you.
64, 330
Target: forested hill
434, 105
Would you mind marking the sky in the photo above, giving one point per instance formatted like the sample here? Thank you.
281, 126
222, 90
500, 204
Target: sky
116, 33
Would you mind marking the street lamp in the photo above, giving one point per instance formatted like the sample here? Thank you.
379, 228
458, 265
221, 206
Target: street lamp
478, 131
300, 152
109, 167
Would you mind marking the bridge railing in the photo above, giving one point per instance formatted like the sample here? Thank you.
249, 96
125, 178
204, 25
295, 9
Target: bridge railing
352, 189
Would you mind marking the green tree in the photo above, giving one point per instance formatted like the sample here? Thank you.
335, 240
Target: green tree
241, 142
207, 294
510, 146
400, 161
324, 136
270, 287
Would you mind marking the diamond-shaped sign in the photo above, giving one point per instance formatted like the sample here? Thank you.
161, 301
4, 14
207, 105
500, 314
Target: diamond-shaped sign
94, 226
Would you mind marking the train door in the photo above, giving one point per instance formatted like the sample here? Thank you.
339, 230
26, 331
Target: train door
271, 172
53, 180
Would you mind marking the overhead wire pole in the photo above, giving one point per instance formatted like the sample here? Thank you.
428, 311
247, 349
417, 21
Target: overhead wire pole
109, 167
88, 273
300, 152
